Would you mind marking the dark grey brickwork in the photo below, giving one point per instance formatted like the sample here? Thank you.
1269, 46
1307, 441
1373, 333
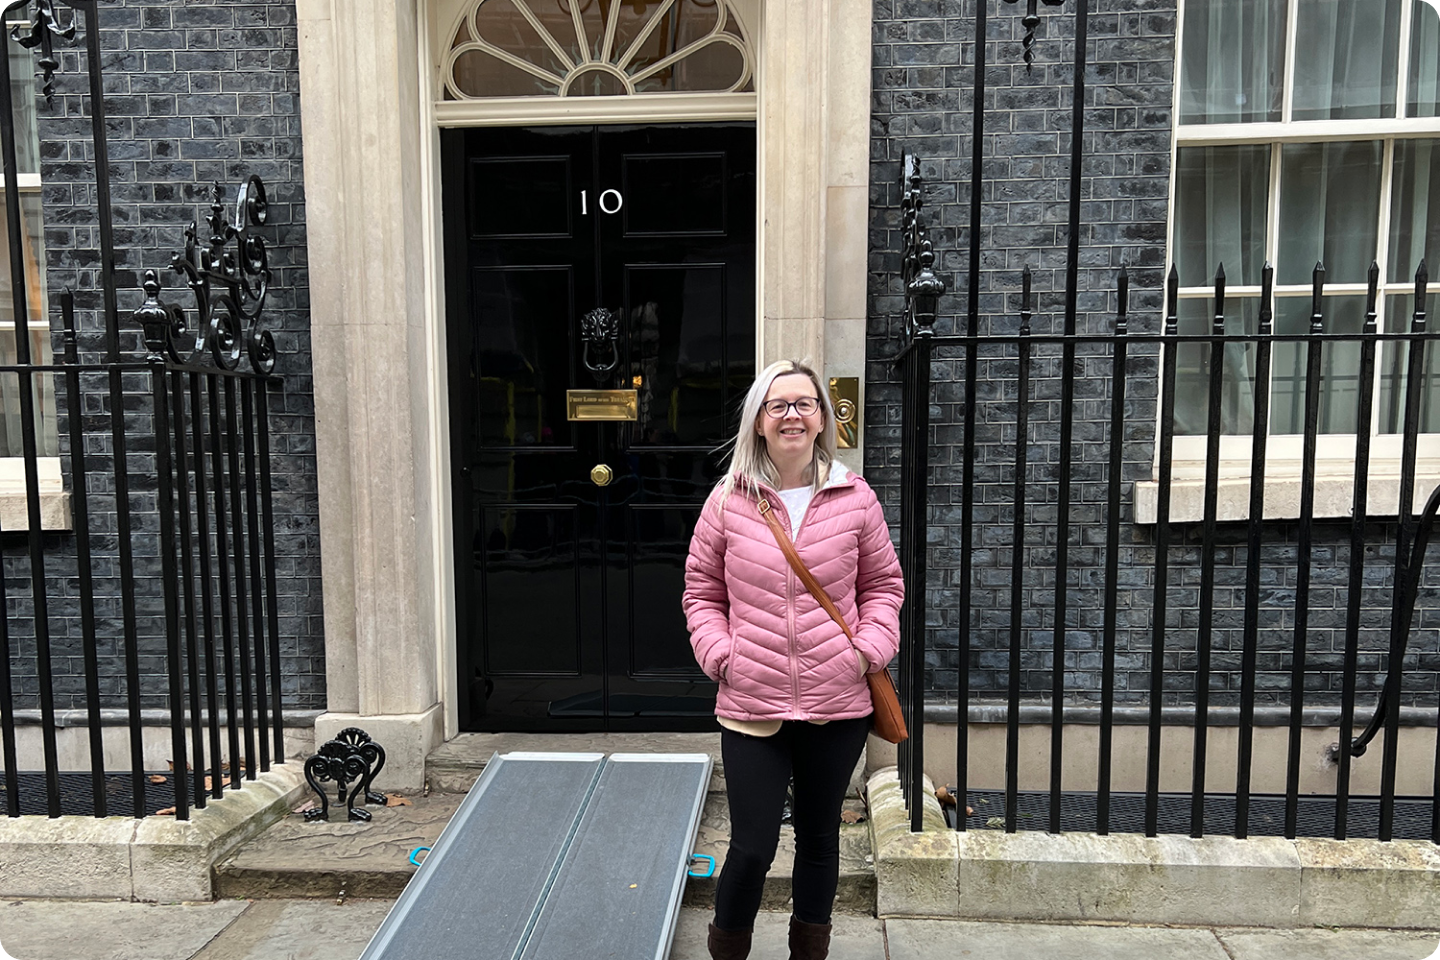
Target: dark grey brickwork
923, 57
196, 92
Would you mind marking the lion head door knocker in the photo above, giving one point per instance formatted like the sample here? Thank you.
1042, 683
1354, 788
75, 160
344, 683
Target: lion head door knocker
599, 332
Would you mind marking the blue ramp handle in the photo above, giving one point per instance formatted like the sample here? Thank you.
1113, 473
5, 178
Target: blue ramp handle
416, 852
709, 869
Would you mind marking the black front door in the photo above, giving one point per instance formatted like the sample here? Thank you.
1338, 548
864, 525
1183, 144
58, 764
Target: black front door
590, 258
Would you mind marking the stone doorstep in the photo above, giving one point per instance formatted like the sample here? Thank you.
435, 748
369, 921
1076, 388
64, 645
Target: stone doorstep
154, 859
338, 859
1261, 882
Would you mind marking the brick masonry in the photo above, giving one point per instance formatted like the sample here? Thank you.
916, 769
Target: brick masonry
923, 78
196, 92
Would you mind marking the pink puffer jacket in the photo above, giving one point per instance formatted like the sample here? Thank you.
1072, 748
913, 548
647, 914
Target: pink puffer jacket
755, 628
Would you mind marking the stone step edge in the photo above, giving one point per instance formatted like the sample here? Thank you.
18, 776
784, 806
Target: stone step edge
854, 895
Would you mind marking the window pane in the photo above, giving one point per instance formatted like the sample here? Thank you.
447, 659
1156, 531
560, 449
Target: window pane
1349, 62
1232, 67
1396, 359
1329, 206
42, 389
1424, 99
1415, 208
1192, 369
1339, 366
32, 252
1220, 195
22, 101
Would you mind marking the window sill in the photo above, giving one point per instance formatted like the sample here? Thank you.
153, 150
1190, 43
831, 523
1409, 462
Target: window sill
1334, 497
54, 512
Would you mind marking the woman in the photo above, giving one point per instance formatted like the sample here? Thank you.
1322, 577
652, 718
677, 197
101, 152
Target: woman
793, 698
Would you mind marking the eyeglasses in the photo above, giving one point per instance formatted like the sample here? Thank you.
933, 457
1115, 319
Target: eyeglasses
805, 406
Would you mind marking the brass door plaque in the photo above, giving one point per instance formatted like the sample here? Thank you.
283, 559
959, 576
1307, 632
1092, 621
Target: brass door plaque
845, 398
602, 404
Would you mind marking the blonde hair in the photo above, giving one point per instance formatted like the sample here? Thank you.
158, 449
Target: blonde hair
750, 463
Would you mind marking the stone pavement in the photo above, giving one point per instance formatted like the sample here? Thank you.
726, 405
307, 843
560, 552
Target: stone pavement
325, 930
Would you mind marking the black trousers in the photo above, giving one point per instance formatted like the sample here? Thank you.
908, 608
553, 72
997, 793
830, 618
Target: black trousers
821, 758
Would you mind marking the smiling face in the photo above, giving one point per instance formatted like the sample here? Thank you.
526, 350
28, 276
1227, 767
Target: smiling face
790, 439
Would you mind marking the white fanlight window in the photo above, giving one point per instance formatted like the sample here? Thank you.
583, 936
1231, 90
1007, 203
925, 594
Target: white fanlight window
597, 48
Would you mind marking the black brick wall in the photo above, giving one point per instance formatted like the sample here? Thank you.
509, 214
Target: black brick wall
923, 76
196, 92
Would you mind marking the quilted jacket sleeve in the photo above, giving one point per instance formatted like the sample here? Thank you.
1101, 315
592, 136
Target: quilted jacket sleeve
706, 600
879, 589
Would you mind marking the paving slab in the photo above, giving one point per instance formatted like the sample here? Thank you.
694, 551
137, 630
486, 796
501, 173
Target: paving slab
299, 930
1323, 944
295, 858
929, 939
100, 930
853, 938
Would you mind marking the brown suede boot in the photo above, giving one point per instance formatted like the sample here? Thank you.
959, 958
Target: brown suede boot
729, 944
809, 941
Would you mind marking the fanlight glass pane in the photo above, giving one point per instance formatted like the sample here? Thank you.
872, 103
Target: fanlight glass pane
1350, 60
478, 74
1329, 210
1220, 207
1232, 69
502, 25
715, 66
596, 83
1415, 209
1424, 99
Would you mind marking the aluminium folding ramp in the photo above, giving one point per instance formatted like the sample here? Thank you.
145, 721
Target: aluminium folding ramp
555, 856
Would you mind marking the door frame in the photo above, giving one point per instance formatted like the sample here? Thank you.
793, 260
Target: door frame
372, 184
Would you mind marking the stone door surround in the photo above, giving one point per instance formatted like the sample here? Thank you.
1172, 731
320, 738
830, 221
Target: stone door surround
371, 183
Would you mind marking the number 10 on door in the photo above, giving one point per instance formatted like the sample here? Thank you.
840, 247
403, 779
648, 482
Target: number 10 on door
610, 202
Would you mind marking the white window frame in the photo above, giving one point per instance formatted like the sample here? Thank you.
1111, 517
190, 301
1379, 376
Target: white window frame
1335, 460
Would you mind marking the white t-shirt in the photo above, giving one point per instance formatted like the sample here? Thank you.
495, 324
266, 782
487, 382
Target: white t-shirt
796, 502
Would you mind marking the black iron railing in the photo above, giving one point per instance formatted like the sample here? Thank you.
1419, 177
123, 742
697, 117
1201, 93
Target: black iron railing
169, 455
1027, 492
998, 480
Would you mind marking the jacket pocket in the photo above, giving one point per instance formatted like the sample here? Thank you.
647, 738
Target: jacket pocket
729, 661
860, 664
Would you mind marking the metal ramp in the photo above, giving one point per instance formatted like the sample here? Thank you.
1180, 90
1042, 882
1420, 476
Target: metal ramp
554, 856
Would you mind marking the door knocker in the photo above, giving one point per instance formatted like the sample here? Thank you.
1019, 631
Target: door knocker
599, 330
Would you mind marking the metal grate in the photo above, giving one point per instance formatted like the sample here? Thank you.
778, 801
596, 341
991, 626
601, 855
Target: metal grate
1315, 815
77, 793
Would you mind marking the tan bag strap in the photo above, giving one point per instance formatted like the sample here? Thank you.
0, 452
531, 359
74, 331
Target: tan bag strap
801, 571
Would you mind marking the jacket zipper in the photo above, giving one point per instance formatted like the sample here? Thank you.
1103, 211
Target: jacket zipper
794, 657
790, 597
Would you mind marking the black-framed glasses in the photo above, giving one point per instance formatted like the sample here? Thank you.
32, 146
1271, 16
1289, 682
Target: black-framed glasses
805, 406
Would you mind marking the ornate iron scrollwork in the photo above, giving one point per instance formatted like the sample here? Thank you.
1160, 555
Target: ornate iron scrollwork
1031, 21
600, 332
43, 28
229, 285
923, 288
352, 757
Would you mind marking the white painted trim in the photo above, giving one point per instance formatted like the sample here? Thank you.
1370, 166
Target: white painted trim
1334, 498
1304, 131
537, 111
437, 389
